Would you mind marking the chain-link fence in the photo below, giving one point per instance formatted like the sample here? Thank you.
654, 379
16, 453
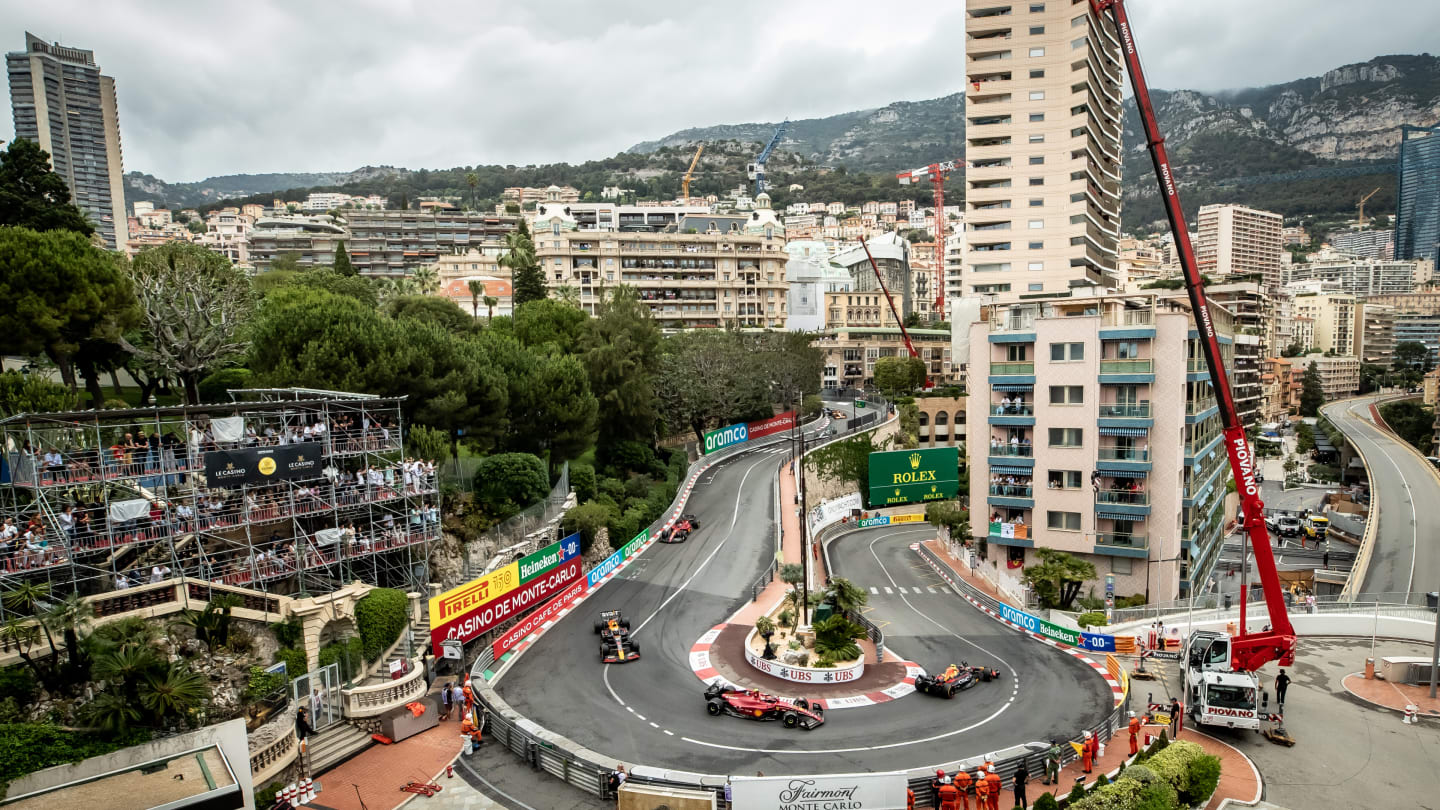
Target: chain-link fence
517, 527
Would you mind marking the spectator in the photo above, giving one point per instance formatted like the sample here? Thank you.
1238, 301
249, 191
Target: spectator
302, 727
617, 778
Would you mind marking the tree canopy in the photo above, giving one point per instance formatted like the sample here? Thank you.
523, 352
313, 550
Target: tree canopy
1312, 395
33, 196
899, 375
527, 280
1058, 577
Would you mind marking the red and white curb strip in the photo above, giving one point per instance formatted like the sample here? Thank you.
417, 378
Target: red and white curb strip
705, 670
1117, 691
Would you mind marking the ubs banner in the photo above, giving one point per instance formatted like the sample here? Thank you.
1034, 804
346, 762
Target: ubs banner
262, 465
913, 476
856, 791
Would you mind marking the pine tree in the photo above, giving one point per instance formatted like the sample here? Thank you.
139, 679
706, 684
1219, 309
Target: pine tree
32, 196
342, 262
527, 280
1312, 396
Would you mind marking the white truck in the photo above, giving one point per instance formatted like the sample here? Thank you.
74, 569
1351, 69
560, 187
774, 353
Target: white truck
1216, 695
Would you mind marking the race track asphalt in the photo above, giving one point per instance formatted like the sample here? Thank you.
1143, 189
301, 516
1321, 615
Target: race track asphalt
1406, 558
651, 711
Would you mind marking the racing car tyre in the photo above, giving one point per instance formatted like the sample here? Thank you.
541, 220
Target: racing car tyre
714, 707
950, 693
791, 720
603, 651
635, 647
625, 625
598, 627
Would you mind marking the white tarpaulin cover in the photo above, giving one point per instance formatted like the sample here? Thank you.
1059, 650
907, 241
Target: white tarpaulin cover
329, 537
121, 511
228, 428
832, 510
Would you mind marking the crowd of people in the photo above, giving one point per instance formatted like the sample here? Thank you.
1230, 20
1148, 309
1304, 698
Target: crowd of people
1017, 486
1016, 406
1017, 445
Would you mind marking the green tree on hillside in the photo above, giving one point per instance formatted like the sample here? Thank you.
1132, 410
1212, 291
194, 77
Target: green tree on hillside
621, 352
527, 280
896, 376
33, 196
1312, 395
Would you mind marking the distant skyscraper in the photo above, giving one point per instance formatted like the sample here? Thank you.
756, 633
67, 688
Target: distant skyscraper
1417, 211
61, 102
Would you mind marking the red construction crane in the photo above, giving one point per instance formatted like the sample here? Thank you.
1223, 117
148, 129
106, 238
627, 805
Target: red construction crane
904, 333
936, 174
1248, 651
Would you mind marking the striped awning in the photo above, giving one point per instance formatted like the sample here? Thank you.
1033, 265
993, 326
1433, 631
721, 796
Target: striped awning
1012, 387
1118, 516
1114, 431
1125, 473
1025, 471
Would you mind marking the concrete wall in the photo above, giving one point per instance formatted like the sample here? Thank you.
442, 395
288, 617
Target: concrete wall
228, 736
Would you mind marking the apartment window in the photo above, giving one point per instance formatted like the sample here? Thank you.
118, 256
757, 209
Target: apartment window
1035, 266
1067, 395
1037, 139
1037, 202
1065, 479
1037, 8
1066, 437
1063, 521
1037, 51
1037, 95
1036, 30
1121, 565
1037, 288
1037, 245
1037, 181
1037, 74
987, 289
1017, 352
1036, 118
1036, 160
1060, 352
1036, 224
994, 267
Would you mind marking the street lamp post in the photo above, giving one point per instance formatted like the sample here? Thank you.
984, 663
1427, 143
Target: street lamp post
1148, 562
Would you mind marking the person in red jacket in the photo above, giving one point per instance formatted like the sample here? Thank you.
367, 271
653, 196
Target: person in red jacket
1134, 734
993, 781
1087, 752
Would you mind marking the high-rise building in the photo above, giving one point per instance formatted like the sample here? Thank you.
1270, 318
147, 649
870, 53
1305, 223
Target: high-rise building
1250, 306
1366, 277
1334, 317
1099, 435
1417, 208
1235, 240
1364, 244
1377, 333
1043, 115
1423, 329
63, 103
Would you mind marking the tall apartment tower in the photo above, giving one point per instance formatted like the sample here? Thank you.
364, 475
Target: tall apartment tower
1042, 203
63, 103
1417, 209
1235, 240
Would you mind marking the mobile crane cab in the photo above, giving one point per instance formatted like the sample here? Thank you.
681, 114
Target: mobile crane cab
1216, 695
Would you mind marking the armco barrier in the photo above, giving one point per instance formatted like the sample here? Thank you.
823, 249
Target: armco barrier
1361, 565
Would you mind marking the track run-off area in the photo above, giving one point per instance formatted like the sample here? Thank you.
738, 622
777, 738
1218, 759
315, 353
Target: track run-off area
652, 712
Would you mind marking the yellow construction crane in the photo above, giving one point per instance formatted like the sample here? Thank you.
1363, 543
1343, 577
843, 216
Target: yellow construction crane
1362, 207
695, 161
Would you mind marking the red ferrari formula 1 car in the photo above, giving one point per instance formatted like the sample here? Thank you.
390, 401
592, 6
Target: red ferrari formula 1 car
755, 705
954, 679
616, 646
680, 532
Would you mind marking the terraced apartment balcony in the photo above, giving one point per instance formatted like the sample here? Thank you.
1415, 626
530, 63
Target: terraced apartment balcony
1114, 544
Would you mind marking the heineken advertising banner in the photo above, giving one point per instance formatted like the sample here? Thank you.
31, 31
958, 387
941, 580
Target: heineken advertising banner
914, 476
262, 465
1054, 632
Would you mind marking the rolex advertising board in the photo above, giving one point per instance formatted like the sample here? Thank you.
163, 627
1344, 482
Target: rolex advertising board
914, 476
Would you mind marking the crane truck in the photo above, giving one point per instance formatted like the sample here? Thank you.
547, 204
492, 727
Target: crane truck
1222, 682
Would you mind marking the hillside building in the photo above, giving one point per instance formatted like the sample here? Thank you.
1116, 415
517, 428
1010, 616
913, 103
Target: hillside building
1234, 240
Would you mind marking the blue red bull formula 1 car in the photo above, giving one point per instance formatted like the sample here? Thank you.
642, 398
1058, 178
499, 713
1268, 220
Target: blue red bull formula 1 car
954, 679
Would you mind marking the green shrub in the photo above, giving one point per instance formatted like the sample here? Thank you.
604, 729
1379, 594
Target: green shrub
1181, 764
506, 483
1077, 795
262, 683
1102, 780
380, 615
296, 663
613, 488
836, 636
1120, 796
582, 480
1093, 618
29, 747
215, 387
17, 682
265, 797
348, 653
1204, 778
1047, 802
287, 633
587, 519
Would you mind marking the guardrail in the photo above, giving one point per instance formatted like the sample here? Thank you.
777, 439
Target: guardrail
1361, 565
375, 699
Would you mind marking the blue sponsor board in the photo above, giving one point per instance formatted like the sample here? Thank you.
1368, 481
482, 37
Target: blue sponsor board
612, 562
1087, 641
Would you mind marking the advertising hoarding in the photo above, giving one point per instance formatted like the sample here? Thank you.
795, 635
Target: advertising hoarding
775, 424
855, 791
226, 469
456, 605
1054, 632
914, 476
470, 624
536, 619
621, 554
724, 437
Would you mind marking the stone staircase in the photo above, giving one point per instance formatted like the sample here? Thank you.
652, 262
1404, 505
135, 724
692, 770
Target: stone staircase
335, 745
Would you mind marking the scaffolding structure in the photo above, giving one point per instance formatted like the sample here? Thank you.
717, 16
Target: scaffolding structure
95, 501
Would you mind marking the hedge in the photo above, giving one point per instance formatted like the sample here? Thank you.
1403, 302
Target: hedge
30, 747
296, 662
348, 653
380, 616
1181, 775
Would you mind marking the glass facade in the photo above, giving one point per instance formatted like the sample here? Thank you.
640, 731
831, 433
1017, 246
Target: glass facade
1417, 219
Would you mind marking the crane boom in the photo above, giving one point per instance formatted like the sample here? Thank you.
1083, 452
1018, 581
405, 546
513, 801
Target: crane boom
757, 169
685, 181
904, 333
936, 173
1248, 651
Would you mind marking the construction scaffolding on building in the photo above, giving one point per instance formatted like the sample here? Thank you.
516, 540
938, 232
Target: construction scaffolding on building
288, 491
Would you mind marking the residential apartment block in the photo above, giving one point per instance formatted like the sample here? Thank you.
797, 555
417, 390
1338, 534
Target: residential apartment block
1420, 303
394, 243
1235, 240
1366, 277
701, 270
1043, 126
1102, 437
62, 102
851, 351
1333, 315
1417, 210
1411, 328
1373, 244
1339, 376
1377, 334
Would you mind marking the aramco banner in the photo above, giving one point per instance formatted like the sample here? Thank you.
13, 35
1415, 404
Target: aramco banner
262, 465
1054, 632
914, 476
731, 435
469, 610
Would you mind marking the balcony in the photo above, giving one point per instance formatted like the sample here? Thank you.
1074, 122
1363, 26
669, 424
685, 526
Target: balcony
1199, 406
1121, 459
1122, 497
1011, 495
1140, 366
1122, 545
1010, 534
1134, 410
1000, 449
1007, 368
1016, 415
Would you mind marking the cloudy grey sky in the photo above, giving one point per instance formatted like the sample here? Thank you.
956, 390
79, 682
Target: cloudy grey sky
271, 85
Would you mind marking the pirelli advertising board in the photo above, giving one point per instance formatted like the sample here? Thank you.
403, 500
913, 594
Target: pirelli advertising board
481, 604
228, 469
914, 476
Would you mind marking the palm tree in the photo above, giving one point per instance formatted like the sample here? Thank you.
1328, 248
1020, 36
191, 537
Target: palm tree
126, 668
472, 180
569, 294
23, 636
110, 712
70, 616
31, 598
490, 303
848, 596
477, 291
175, 692
426, 280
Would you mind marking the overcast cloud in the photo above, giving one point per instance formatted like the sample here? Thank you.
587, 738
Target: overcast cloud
209, 88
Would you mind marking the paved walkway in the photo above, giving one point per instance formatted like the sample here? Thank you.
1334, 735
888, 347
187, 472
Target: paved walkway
1394, 696
380, 771
789, 552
